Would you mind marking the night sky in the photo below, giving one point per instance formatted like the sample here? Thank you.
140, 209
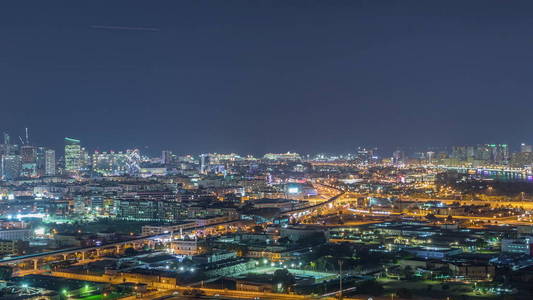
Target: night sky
267, 76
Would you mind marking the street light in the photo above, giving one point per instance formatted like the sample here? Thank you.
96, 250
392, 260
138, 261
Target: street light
340, 261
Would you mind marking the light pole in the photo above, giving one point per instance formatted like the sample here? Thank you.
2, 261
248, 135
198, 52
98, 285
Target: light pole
340, 261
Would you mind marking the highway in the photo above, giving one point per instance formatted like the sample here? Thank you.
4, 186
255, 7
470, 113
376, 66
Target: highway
22, 258
310, 208
177, 294
29, 257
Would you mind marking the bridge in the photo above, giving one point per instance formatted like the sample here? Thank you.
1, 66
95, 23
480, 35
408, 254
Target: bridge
135, 242
295, 213
490, 170
97, 249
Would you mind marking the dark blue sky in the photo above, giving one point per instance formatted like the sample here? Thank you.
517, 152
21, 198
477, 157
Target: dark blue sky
261, 76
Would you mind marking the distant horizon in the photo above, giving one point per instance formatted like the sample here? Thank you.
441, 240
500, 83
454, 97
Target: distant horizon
153, 153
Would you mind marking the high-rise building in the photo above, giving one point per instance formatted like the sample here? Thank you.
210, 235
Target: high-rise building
29, 160
500, 153
11, 167
72, 155
28, 154
524, 148
484, 154
364, 155
459, 153
85, 160
50, 162
166, 157
110, 163
521, 160
5, 148
133, 162
40, 161
430, 156
398, 156
204, 163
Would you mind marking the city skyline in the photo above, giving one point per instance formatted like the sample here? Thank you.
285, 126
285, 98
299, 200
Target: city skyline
154, 151
273, 150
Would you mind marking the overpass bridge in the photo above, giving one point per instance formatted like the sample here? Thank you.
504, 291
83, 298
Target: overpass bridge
299, 212
490, 170
83, 252
116, 246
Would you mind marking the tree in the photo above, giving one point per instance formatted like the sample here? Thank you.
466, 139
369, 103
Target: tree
341, 250
370, 287
404, 293
5, 272
312, 240
284, 279
284, 240
130, 252
481, 243
408, 273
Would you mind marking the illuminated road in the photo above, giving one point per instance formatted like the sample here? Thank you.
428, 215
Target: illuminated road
312, 208
495, 203
234, 294
350, 197
30, 257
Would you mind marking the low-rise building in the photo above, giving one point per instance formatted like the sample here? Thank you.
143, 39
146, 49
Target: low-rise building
16, 234
13, 247
476, 272
176, 228
433, 252
523, 246
188, 247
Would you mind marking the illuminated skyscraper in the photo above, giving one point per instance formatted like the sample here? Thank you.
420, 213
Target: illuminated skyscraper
110, 163
166, 157
134, 162
499, 153
11, 167
29, 160
204, 163
40, 161
398, 156
5, 148
72, 155
85, 160
28, 154
50, 162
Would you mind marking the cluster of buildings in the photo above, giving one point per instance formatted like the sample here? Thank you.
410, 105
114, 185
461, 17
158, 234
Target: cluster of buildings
25, 160
199, 218
484, 155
